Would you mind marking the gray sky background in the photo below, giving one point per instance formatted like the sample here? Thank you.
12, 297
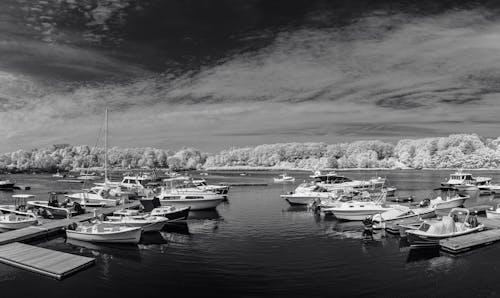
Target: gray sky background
217, 74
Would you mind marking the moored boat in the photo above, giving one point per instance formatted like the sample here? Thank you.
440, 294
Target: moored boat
493, 213
17, 220
147, 222
173, 213
398, 213
194, 200
283, 178
458, 222
102, 233
354, 210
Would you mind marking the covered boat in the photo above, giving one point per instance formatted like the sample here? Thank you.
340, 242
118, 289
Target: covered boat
458, 222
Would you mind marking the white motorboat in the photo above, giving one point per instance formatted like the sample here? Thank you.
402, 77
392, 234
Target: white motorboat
306, 198
103, 233
283, 178
197, 185
96, 196
489, 188
7, 184
17, 220
493, 213
458, 222
147, 222
332, 181
355, 210
58, 175
465, 181
52, 208
399, 213
194, 200
88, 176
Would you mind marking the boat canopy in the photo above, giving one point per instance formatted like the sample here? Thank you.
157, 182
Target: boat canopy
23, 196
444, 226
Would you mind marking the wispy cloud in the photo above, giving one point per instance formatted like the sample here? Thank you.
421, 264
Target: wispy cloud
384, 76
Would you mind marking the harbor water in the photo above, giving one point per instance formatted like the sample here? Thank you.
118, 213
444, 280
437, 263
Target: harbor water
255, 244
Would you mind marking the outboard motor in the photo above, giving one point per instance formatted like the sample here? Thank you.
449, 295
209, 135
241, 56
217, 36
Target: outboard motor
368, 228
316, 205
425, 203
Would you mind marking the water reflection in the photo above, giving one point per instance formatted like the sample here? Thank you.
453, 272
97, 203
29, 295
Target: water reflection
180, 227
152, 238
416, 255
204, 214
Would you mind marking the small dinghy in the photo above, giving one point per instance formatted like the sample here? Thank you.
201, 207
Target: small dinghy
493, 214
102, 233
399, 213
458, 222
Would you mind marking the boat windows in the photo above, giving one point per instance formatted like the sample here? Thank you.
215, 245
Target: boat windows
194, 197
171, 197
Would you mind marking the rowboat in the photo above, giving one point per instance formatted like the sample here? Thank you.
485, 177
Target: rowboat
102, 233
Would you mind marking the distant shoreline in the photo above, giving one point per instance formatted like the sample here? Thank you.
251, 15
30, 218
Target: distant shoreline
244, 168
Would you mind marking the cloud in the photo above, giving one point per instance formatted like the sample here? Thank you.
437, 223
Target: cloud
384, 76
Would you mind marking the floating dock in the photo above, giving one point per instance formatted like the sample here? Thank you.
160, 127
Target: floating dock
467, 242
44, 261
470, 241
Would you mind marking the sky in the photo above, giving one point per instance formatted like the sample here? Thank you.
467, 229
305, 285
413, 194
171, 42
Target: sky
214, 74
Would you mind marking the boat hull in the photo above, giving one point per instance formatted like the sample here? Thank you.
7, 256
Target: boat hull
178, 214
194, 204
418, 240
422, 215
450, 204
146, 226
17, 225
7, 185
492, 214
353, 214
132, 236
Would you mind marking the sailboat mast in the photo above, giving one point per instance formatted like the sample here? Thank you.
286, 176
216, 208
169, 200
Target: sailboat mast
106, 149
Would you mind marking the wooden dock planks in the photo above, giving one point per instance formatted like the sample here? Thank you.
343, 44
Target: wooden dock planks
467, 242
44, 261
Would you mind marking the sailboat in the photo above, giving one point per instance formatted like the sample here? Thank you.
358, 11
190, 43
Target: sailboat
102, 197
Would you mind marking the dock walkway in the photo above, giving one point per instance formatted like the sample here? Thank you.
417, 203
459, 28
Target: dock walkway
44, 261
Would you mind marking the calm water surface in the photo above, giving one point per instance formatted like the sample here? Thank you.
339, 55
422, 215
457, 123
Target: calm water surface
256, 245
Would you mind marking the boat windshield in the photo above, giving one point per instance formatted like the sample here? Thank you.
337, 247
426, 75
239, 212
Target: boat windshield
424, 227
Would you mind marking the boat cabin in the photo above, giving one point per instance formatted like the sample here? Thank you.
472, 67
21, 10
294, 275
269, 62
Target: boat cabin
131, 182
331, 178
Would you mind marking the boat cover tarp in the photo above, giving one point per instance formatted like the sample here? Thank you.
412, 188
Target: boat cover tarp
445, 226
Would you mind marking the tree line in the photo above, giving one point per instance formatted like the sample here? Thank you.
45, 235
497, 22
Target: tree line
454, 151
